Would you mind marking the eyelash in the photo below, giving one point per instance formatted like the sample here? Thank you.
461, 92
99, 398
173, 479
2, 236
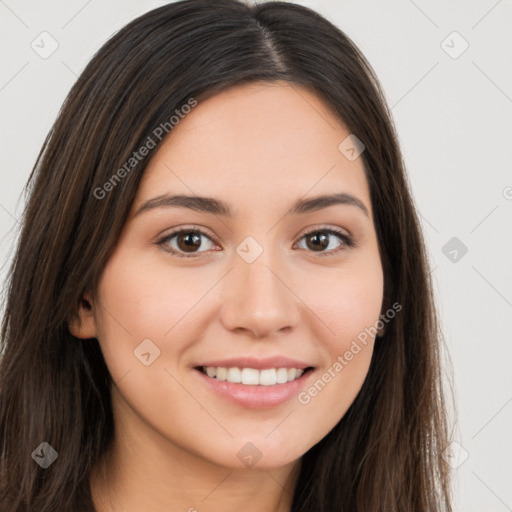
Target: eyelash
347, 240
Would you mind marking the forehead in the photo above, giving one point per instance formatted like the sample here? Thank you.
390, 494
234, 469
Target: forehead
256, 142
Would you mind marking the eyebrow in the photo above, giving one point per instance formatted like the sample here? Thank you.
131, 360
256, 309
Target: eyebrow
218, 207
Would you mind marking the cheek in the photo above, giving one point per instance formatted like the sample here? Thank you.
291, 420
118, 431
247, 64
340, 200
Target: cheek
140, 299
348, 308
146, 299
347, 300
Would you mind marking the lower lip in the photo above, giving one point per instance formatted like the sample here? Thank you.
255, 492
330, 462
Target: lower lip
258, 397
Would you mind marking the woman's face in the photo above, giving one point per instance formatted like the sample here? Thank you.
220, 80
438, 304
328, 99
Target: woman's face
254, 291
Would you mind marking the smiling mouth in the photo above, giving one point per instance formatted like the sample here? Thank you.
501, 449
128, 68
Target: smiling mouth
252, 376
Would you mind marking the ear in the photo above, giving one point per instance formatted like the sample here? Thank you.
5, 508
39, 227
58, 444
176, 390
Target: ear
84, 326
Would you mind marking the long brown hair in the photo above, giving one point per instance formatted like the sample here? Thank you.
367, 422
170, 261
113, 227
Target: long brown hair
385, 454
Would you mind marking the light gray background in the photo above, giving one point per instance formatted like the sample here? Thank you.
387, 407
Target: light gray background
453, 116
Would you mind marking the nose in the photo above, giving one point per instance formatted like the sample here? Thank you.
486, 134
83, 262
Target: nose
257, 298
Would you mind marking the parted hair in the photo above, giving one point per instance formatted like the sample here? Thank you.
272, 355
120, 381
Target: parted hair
385, 454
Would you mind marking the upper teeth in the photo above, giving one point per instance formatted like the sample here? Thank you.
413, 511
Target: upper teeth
251, 376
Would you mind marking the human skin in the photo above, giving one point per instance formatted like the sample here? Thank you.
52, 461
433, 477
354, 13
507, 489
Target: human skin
259, 147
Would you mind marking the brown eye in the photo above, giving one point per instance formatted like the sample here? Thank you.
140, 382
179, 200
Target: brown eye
317, 241
188, 242
322, 241
184, 242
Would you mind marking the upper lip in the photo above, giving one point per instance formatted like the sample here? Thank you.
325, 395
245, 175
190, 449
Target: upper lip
258, 364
